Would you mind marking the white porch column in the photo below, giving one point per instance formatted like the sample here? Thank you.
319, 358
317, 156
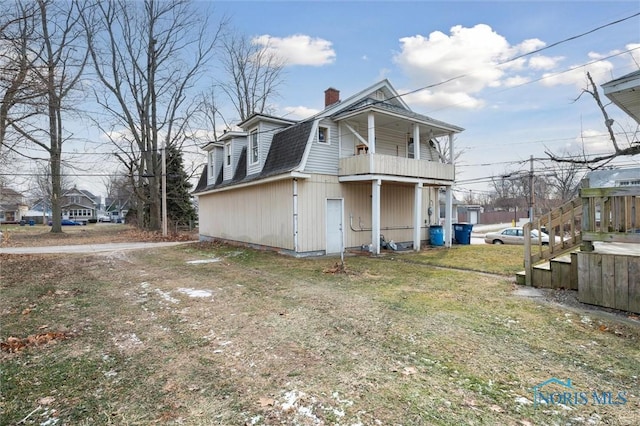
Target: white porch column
417, 215
448, 222
451, 156
371, 139
416, 142
371, 133
375, 215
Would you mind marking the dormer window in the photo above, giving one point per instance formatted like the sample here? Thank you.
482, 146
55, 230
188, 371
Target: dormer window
212, 165
323, 135
227, 154
253, 141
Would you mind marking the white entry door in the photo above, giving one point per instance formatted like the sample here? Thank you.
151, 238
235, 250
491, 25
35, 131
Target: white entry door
334, 226
473, 217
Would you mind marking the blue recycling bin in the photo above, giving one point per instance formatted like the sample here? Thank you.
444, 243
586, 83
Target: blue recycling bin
436, 237
32, 222
462, 232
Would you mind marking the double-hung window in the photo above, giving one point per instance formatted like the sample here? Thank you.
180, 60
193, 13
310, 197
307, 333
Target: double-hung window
323, 135
227, 153
254, 146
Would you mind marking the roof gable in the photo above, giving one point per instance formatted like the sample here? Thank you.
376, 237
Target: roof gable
380, 91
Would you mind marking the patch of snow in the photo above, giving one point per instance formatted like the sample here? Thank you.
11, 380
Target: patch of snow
191, 292
225, 343
145, 285
524, 401
166, 296
291, 397
201, 261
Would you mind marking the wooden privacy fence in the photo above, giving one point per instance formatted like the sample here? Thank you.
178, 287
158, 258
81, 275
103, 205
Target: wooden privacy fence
609, 280
563, 224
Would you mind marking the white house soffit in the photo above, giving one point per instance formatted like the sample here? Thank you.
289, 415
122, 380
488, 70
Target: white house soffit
254, 119
307, 148
410, 116
276, 178
389, 178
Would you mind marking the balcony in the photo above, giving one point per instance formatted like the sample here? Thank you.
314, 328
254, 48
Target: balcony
378, 164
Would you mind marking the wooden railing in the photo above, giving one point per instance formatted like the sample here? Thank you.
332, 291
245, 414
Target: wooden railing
563, 225
611, 215
599, 214
395, 166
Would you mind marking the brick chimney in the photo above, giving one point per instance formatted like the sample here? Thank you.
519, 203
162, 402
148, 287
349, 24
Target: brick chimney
331, 96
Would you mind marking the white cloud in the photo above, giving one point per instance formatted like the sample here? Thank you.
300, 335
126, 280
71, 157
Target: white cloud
438, 99
592, 142
299, 112
516, 81
298, 49
540, 62
530, 45
475, 58
577, 75
635, 54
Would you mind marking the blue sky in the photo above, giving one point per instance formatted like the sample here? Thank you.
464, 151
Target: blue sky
508, 116
509, 112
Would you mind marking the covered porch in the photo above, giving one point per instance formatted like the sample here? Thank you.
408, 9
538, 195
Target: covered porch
400, 209
384, 145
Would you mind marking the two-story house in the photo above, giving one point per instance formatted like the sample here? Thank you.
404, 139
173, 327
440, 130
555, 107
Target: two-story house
79, 205
364, 168
12, 205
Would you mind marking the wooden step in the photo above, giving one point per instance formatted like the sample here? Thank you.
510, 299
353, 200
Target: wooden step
541, 277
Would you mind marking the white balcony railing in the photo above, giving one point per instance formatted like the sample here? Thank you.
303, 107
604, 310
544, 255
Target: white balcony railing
395, 166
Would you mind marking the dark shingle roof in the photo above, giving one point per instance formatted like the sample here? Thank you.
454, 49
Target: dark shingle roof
202, 182
287, 149
285, 155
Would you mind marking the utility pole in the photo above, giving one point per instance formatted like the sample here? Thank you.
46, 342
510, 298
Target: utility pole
531, 191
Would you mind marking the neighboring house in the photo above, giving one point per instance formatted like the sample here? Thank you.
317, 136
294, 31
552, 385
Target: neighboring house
12, 205
625, 93
364, 167
79, 205
116, 208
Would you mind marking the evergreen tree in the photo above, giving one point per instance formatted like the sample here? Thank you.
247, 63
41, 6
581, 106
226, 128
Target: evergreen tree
180, 209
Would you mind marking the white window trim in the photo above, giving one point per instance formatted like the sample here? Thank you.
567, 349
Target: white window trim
227, 155
251, 160
327, 136
212, 165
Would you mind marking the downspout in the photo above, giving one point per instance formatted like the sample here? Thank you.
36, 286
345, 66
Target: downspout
295, 215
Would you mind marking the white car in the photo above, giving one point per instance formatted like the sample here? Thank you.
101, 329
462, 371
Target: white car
514, 235
104, 218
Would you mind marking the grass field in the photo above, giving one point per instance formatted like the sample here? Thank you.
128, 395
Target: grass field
207, 334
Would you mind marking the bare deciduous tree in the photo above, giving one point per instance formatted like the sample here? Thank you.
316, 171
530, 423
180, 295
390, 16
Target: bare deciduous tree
596, 162
52, 46
254, 75
147, 56
17, 37
565, 178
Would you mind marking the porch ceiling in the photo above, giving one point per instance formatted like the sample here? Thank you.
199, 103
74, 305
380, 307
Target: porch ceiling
395, 122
